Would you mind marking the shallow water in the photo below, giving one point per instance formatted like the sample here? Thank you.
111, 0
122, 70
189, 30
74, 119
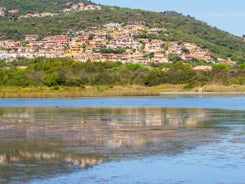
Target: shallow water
167, 101
104, 140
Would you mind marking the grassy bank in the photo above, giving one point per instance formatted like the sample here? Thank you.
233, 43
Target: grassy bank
100, 91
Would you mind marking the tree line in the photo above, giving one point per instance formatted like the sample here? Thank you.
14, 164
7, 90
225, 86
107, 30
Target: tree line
67, 72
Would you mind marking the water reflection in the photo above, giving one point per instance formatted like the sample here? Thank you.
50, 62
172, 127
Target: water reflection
41, 142
19, 156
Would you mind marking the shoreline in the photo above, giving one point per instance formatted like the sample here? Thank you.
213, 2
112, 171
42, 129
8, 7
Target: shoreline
118, 91
202, 93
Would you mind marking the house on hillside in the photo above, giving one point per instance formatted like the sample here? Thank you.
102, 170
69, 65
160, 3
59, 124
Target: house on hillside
2, 44
10, 44
58, 42
155, 31
160, 58
202, 68
187, 57
92, 7
14, 12
154, 46
227, 61
112, 26
2, 11
31, 37
58, 39
139, 58
189, 46
174, 48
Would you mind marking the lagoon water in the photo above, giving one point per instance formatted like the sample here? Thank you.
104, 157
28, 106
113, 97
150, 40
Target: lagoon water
172, 139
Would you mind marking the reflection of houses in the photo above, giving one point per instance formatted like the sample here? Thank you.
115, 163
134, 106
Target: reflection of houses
153, 117
92, 132
3, 159
20, 156
195, 118
174, 117
24, 114
177, 118
84, 162
125, 140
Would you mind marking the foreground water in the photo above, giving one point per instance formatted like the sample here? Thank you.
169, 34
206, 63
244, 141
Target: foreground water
123, 140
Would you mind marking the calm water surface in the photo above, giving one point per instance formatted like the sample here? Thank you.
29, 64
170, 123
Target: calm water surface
123, 140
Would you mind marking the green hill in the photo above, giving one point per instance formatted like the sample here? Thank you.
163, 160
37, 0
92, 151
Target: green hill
38, 5
179, 28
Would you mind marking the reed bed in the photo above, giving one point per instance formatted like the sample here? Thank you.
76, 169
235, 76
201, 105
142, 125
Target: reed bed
100, 91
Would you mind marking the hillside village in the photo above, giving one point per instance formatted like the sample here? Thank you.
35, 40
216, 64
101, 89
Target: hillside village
71, 7
133, 42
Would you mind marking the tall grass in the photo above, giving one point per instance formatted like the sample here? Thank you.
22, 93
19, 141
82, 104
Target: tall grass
100, 91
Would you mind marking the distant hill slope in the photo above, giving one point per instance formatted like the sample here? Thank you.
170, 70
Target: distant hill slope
179, 28
38, 5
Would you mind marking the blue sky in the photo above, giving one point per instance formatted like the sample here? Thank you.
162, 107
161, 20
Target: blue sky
228, 15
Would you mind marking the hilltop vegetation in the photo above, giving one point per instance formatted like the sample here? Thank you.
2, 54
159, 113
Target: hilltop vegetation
38, 6
179, 28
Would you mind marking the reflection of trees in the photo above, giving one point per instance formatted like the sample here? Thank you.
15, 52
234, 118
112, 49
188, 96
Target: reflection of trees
41, 164
101, 130
66, 139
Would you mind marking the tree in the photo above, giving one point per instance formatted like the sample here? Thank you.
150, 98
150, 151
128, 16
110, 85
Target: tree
180, 73
153, 78
91, 37
151, 55
220, 67
242, 66
52, 79
174, 57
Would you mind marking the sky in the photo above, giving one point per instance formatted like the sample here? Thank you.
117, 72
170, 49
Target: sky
227, 15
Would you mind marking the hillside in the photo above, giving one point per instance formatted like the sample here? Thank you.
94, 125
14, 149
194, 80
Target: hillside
179, 28
39, 6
